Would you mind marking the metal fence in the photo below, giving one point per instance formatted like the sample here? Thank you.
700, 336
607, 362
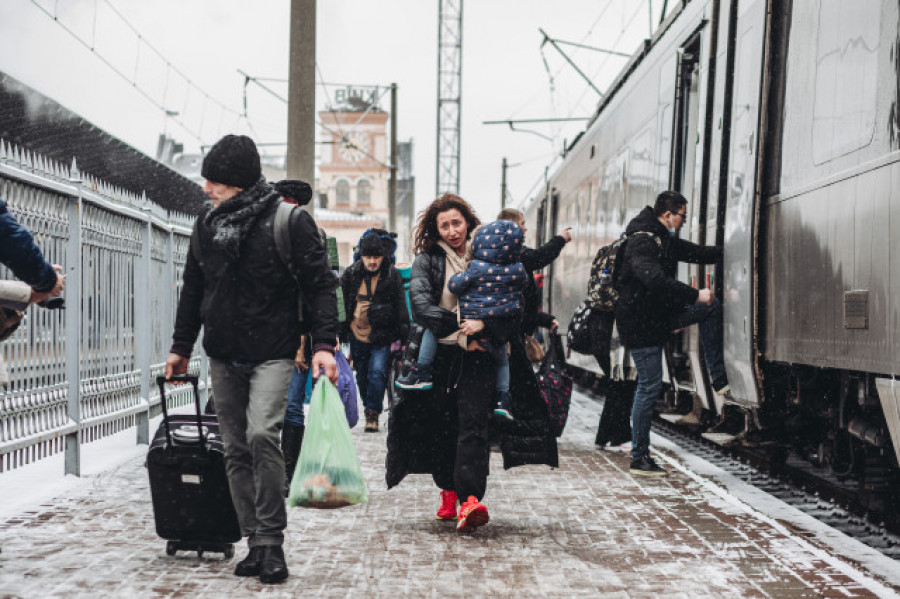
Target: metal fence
85, 372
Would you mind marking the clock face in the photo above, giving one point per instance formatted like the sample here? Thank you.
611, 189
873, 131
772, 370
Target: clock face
354, 147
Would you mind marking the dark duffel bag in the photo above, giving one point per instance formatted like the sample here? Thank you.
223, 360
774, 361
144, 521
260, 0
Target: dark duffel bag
192, 503
555, 384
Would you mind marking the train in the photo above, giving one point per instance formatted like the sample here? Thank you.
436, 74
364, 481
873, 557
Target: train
779, 121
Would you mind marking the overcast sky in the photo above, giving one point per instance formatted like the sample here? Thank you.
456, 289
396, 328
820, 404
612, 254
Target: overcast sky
506, 73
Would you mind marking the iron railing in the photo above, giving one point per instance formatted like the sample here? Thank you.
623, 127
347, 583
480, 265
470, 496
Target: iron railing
124, 256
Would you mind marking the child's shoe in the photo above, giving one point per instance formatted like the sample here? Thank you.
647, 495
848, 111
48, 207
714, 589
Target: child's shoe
418, 378
502, 409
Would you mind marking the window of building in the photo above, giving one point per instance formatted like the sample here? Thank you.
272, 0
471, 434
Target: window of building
342, 192
363, 192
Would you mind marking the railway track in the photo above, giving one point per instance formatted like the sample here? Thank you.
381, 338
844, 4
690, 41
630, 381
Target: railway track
811, 490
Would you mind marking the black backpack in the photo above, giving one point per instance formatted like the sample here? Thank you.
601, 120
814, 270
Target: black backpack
601, 293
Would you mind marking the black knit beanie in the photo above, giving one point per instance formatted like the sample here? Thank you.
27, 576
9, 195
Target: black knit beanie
370, 245
233, 161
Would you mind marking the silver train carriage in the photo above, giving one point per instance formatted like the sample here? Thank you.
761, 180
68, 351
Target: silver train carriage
780, 122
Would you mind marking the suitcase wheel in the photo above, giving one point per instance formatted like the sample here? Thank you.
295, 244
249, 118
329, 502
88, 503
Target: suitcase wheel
229, 552
171, 547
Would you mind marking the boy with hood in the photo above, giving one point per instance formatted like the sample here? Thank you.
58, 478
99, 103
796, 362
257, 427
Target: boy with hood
377, 316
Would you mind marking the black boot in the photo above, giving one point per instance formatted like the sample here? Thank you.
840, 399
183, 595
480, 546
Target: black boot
291, 440
249, 566
272, 568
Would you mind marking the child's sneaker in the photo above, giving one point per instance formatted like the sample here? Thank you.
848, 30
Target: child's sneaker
502, 409
472, 514
418, 378
447, 511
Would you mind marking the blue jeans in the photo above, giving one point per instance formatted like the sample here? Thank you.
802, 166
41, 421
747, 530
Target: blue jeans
648, 362
498, 352
296, 397
427, 348
371, 364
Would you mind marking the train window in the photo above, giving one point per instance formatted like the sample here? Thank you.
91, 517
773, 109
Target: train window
846, 77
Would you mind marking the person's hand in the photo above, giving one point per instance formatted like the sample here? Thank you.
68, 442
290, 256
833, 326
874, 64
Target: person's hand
300, 360
324, 360
37, 296
706, 296
555, 325
60, 282
175, 364
566, 234
470, 326
474, 346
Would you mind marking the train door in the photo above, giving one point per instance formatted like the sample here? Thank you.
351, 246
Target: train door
689, 162
553, 221
740, 210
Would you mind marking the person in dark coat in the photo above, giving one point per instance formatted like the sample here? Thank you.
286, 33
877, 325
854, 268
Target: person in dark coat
444, 432
652, 304
534, 259
20, 254
238, 288
376, 317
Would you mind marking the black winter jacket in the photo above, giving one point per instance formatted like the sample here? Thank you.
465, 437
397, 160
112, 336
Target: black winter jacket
425, 287
649, 295
532, 260
388, 315
416, 428
248, 307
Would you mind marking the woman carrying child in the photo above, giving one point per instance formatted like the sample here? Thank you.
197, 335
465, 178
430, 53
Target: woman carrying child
444, 431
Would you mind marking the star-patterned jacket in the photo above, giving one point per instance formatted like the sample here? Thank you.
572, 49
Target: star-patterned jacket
492, 284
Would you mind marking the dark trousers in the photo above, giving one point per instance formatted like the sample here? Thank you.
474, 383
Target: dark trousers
615, 420
464, 388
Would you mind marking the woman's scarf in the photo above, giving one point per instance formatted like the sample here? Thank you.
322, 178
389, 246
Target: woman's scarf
454, 264
234, 218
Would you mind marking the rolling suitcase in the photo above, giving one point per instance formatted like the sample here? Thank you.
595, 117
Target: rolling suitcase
191, 499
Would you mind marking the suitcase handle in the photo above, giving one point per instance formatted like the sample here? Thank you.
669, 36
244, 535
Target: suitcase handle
194, 380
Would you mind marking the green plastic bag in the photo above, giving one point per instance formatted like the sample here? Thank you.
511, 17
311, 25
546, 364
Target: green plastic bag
328, 474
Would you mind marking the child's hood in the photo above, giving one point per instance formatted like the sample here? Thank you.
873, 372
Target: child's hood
499, 242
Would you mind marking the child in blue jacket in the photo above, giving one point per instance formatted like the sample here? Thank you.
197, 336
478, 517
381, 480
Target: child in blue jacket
490, 289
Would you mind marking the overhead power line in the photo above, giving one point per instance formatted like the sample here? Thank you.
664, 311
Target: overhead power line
132, 79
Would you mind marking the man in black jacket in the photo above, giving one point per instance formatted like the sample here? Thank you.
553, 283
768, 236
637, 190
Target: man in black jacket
238, 288
532, 260
376, 317
652, 304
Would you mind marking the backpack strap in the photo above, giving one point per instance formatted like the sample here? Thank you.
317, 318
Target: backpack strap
653, 235
282, 230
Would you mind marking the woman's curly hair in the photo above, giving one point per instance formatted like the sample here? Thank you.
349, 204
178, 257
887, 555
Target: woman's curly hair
427, 232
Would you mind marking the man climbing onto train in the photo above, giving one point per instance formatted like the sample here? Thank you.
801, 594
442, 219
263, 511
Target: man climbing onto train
653, 303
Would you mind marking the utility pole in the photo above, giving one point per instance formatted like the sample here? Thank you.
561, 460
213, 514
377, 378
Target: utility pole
392, 184
503, 186
301, 133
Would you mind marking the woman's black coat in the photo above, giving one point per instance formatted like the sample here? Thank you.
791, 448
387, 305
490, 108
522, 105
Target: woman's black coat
414, 428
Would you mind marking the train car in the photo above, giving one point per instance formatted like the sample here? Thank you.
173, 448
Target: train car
780, 122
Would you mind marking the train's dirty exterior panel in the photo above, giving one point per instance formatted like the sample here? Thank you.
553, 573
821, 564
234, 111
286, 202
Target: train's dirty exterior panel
831, 290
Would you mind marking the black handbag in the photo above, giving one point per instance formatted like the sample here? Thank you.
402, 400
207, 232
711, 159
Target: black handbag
555, 383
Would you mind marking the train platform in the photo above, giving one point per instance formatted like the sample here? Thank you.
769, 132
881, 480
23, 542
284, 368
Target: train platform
586, 529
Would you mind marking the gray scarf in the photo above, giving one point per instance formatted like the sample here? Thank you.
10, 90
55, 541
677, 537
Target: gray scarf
233, 219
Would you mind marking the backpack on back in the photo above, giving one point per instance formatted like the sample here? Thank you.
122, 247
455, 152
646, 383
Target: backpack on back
601, 293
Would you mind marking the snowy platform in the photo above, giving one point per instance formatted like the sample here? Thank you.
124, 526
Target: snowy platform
586, 529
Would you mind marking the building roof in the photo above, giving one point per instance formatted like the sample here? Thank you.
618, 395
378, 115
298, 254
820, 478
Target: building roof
34, 122
325, 215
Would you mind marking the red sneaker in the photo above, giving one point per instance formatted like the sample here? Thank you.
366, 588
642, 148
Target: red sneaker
471, 515
447, 511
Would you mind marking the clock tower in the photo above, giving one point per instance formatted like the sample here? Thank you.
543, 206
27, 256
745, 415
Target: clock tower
353, 170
